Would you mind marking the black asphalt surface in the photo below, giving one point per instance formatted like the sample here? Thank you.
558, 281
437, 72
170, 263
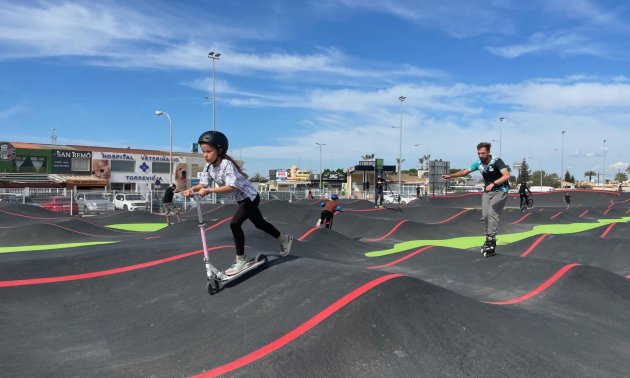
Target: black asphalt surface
545, 306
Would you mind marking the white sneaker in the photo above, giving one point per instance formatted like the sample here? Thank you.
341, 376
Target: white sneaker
237, 266
285, 247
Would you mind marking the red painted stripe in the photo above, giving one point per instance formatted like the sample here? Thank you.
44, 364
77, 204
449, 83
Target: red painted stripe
606, 212
98, 236
544, 286
389, 233
557, 214
31, 217
412, 254
451, 218
307, 233
216, 208
522, 218
108, 272
603, 235
218, 224
583, 214
456, 195
364, 210
152, 237
627, 211
297, 332
107, 228
534, 245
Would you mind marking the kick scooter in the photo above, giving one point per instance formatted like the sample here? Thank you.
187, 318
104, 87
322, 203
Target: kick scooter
216, 278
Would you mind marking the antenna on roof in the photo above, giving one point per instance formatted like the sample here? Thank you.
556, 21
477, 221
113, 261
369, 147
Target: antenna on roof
53, 137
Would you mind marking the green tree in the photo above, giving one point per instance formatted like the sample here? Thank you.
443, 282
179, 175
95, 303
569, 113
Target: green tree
523, 172
621, 177
411, 172
590, 175
258, 178
567, 177
547, 180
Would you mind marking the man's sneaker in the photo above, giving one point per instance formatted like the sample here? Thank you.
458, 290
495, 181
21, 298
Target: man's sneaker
237, 266
285, 247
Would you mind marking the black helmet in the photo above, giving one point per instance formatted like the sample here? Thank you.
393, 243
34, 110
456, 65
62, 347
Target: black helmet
215, 138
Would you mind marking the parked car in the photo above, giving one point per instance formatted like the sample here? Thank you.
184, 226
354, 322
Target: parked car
393, 198
61, 204
130, 201
93, 202
15, 198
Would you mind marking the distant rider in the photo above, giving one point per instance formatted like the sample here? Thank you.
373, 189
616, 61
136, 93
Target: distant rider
523, 189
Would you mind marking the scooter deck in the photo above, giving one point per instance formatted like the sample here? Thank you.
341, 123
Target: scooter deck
251, 264
217, 281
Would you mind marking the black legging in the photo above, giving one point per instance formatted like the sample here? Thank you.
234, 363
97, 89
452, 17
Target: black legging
523, 199
248, 209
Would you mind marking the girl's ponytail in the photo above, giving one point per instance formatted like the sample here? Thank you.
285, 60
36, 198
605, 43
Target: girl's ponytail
239, 168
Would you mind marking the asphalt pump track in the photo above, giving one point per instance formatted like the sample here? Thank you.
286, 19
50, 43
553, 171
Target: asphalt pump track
392, 291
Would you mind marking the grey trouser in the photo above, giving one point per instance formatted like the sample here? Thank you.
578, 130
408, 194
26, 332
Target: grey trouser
492, 204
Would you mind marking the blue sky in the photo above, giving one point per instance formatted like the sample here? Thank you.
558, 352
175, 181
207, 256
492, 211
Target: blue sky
294, 73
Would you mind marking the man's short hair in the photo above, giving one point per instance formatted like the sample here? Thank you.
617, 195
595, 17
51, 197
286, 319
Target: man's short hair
484, 144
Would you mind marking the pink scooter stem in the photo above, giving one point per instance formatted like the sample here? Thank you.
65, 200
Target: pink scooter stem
211, 271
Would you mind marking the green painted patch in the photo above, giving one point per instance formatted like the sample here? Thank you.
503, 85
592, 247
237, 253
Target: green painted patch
44, 247
467, 242
139, 227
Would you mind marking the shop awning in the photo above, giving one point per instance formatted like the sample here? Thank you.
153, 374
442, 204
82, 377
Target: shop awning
75, 180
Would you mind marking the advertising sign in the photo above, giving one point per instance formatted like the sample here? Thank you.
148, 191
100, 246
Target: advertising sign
281, 175
7, 151
62, 159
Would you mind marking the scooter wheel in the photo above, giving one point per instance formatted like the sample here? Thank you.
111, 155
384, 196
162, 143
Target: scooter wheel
212, 286
261, 258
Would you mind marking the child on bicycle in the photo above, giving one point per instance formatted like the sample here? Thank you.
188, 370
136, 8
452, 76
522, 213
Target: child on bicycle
522, 190
227, 174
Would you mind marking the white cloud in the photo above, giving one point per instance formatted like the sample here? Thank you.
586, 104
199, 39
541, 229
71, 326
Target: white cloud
13, 111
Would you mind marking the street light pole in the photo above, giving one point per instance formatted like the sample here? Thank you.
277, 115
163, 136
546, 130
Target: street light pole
401, 99
604, 166
500, 135
214, 56
562, 160
321, 188
170, 152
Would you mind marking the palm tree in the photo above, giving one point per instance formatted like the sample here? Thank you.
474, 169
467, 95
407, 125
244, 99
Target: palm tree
590, 174
426, 159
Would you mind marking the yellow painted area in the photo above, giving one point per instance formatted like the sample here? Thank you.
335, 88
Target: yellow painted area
44, 247
467, 242
138, 227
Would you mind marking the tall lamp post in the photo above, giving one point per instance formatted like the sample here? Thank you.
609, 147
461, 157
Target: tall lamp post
214, 56
562, 160
321, 188
500, 136
604, 166
401, 99
170, 151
